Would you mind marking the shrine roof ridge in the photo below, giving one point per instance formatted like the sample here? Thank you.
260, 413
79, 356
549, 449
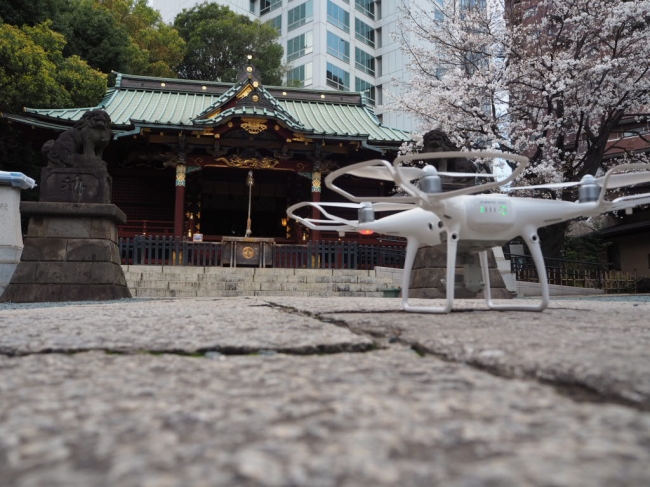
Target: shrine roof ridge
142, 101
132, 81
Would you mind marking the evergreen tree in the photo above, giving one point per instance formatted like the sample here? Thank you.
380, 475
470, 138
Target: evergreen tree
219, 41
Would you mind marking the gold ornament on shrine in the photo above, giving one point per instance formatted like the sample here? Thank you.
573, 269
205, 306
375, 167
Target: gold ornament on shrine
253, 126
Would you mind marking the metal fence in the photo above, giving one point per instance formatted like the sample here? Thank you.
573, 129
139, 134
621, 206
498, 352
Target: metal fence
573, 273
162, 250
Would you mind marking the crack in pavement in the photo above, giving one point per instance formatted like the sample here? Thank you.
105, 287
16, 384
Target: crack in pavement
576, 391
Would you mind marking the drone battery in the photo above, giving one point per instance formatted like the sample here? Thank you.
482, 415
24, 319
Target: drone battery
490, 214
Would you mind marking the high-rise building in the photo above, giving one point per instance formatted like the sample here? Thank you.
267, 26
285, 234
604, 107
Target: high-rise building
342, 45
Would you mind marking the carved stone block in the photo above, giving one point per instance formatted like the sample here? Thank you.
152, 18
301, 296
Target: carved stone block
76, 185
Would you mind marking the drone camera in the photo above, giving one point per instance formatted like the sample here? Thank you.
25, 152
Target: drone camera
589, 191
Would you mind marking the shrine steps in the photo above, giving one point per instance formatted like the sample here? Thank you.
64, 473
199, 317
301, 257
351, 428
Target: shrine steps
150, 281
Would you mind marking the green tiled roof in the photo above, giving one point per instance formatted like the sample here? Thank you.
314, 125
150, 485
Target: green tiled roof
139, 101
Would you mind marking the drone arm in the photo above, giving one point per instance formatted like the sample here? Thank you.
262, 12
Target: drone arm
532, 240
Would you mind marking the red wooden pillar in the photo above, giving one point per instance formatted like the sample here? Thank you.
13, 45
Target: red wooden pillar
179, 204
315, 198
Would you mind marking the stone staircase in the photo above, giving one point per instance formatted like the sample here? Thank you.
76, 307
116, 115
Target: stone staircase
151, 281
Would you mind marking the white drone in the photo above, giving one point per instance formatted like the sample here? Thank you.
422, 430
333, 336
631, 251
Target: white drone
465, 221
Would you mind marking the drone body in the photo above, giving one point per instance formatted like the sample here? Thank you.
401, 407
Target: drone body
464, 221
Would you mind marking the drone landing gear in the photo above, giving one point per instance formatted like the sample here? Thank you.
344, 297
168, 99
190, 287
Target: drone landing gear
452, 248
536, 251
412, 246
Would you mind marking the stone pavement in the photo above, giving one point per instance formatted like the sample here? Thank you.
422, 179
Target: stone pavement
281, 391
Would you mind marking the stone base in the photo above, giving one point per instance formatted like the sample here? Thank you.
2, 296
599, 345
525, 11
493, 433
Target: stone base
70, 254
430, 267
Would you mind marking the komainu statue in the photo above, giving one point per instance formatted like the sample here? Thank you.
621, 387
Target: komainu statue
83, 145
438, 141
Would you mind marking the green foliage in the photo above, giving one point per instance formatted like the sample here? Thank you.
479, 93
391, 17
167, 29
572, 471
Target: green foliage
30, 12
157, 52
156, 48
34, 71
94, 34
121, 35
585, 249
219, 41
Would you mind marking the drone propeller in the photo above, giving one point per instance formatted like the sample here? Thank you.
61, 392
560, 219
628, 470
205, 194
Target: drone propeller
380, 206
365, 214
614, 181
384, 173
410, 173
429, 191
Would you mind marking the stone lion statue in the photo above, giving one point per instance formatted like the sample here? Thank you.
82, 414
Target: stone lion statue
83, 145
438, 141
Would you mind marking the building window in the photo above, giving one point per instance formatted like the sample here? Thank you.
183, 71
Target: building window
300, 45
364, 61
251, 6
366, 88
337, 47
300, 15
300, 76
276, 23
338, 78
469, 4
364, 32
366, 7
338, 17
267, 6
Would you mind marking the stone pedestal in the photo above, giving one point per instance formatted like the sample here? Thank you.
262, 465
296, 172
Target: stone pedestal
11, 240
430, 267
70, 251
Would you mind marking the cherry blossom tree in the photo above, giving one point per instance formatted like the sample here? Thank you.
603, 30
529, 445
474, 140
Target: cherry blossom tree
551, 79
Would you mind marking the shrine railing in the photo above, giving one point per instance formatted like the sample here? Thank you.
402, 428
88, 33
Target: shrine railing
162, 250
574, 273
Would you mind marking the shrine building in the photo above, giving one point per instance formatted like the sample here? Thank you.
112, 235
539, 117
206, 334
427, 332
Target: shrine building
185, 154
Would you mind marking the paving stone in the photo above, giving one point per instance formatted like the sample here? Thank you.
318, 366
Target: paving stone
241, 325
384, 418
600, 346
302, 391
